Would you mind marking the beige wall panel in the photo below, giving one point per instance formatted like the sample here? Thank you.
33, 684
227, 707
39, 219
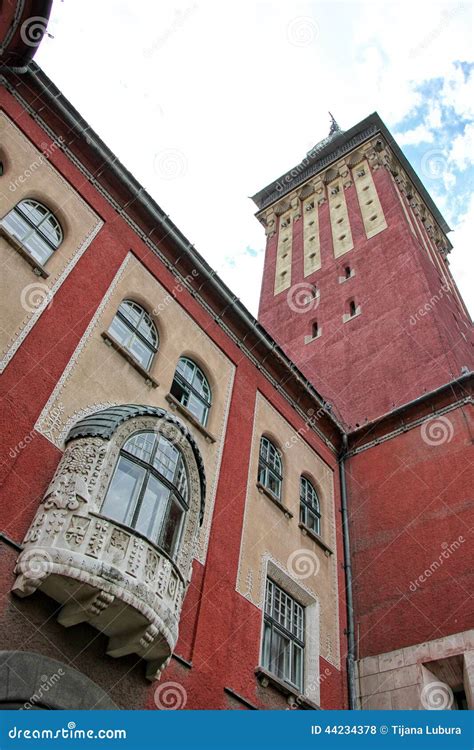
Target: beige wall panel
369, 203
339, 217
284, 252
268, 535
98, 376
29, 174
311, 241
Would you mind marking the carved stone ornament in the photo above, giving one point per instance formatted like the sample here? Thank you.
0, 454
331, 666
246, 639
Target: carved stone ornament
121, 583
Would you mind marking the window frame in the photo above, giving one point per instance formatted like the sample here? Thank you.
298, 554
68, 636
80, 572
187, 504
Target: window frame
35, 229
269, 469
307, 507
190, 389
272, 625
135, 332
151, 470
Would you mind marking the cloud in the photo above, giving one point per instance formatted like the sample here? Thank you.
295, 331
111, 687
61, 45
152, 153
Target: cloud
420, 134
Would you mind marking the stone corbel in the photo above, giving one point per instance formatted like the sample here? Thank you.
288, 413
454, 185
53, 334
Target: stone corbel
345, 175
296, 208
268, 221
282, 207
76, 611
320, 190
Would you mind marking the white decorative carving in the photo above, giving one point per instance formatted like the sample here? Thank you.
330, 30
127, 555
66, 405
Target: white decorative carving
125, 580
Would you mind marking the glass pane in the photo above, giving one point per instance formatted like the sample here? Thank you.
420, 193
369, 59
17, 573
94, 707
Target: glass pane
16, 225
196, 407
297, 667
273, 484
147, 329
140, 351
180, 392
120, 332
123, 491
38, 247
172, 528
166, 458
312, 521
152, 509
280, 655
34, 211
131, 311
51, 230
141, 445
266, 646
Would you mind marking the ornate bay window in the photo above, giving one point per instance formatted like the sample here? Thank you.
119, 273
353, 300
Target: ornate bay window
114, 537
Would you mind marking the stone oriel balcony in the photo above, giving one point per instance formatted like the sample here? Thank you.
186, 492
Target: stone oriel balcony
101, 571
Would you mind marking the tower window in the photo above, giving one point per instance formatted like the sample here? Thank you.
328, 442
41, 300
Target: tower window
36, 227
352, 308
315, 330
347, 272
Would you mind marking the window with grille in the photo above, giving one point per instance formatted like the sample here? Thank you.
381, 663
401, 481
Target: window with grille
149, 489
36, 227
283, 636
269, 467
310, 513
133, 329
191, 388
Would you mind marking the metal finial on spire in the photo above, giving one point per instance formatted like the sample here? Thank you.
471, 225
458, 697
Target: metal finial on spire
334, 126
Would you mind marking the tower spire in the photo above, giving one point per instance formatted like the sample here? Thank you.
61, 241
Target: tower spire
334, 128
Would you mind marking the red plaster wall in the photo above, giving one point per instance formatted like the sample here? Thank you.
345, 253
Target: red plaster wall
408, 502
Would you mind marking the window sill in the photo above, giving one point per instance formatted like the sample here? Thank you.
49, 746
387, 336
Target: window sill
347, 316
110, 341
263, 490
316, 538
38, 269
240, 699
293, 696
175, 404
309, 339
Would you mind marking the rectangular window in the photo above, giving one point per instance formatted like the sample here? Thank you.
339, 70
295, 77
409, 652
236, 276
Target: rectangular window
283, 636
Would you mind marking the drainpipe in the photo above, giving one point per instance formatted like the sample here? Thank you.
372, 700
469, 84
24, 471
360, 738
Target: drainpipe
350, 631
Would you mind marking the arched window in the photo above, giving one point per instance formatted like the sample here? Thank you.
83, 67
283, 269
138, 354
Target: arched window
310, 513
149, 489
133, 329
36, 227
352, 308
270, 472
191, 388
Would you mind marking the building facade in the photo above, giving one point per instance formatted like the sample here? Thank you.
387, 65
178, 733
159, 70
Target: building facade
202, 510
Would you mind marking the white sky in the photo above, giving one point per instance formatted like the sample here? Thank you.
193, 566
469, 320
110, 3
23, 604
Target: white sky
206, 102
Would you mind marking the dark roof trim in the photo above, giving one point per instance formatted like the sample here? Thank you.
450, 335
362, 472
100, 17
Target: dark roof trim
104, 423
337, 147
